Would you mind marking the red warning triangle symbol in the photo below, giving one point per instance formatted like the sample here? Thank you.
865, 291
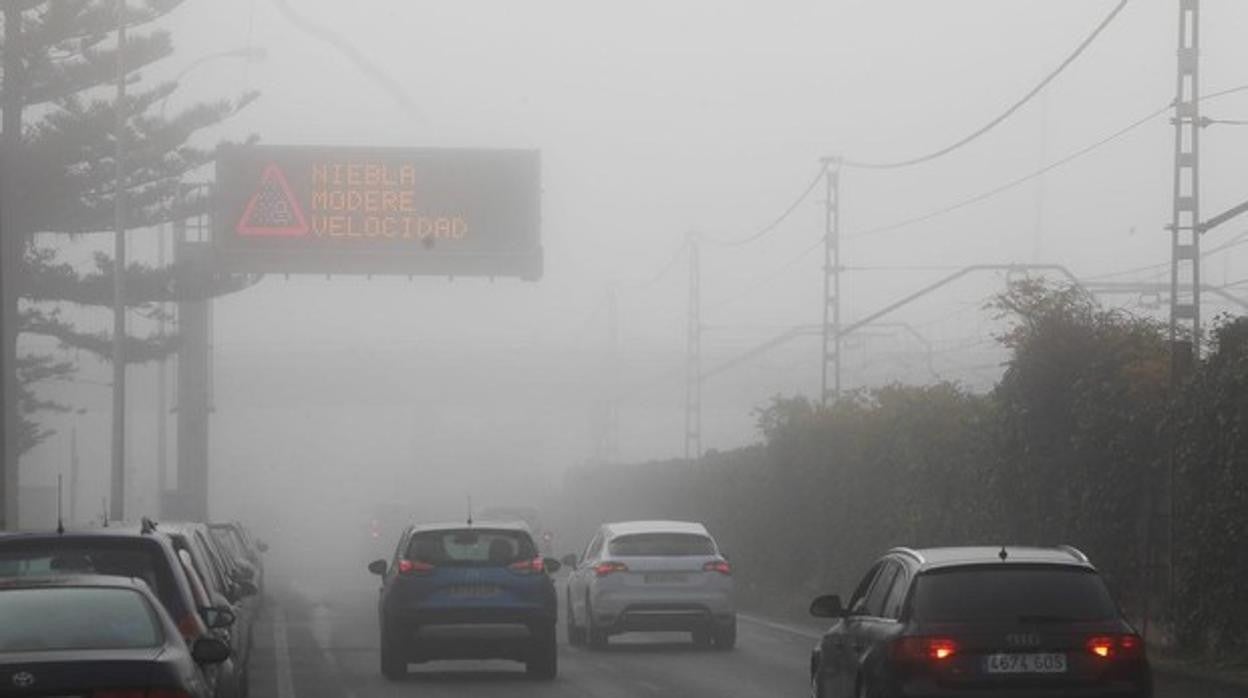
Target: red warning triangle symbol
273, 210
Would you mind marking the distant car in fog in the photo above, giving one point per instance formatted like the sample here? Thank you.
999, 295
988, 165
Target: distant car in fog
976, 622
476, 591
83, 635
651, 576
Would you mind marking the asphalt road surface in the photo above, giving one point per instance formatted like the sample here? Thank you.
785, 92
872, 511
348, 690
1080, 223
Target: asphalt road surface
322, 643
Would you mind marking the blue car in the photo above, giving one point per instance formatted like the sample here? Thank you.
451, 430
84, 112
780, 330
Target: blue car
455, 591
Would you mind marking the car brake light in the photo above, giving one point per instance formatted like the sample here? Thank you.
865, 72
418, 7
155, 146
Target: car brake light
720, 566
603, 569
1116, 646
414, 567
929, 649
534, 566
188, 628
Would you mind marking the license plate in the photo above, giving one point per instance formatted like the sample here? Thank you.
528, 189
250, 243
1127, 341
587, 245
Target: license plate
664, 578
1046, 663
473, 591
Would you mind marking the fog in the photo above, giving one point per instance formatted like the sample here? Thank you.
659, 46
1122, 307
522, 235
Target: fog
336, 397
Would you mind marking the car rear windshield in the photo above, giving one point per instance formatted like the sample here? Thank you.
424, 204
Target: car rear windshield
115, 559
1012, 594
76, 618
471, 547
661, 545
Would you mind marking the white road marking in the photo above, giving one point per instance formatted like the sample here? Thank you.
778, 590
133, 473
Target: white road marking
285, 680
783, 627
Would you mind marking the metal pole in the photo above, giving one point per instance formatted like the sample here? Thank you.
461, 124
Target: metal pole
117, 490
693, 357
12, 244
162, 389
1185, 224
830, 383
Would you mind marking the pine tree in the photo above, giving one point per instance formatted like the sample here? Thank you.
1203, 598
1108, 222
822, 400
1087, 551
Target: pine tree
60, 62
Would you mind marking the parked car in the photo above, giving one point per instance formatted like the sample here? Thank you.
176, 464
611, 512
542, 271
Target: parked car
127, 551
976, 622
455, 591
651, 576
200, 553
95, 635
246, 552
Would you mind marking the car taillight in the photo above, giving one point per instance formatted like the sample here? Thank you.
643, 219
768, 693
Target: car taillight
533, 566
720, 566
603, 569
1116, 646
188, 628
924, 649
414, 567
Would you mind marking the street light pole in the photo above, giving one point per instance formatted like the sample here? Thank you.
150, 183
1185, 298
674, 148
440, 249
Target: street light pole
117, 490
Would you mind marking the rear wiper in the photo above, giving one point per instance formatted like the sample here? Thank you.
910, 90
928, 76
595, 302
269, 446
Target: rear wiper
1046, 619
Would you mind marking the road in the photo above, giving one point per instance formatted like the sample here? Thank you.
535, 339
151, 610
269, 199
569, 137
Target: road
322, 643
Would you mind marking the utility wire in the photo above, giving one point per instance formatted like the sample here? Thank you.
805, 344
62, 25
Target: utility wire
771, 227
1042, 171
1008, 112
1015, 182
353, 54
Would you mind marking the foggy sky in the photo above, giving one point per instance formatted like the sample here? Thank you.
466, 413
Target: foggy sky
655, 118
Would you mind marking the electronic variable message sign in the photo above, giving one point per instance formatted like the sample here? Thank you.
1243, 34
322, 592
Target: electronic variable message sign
426, 211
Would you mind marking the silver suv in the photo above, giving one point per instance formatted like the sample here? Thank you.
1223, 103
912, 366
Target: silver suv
651, 576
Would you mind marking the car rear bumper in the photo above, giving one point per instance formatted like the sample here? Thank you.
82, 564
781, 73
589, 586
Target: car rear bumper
447, 633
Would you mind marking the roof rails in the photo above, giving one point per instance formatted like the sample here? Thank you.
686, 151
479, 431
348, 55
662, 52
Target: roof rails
911, 552
147, 526
1075, 553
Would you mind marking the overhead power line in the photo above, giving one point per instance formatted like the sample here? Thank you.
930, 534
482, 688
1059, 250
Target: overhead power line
1042, 171
771, 227
1008, 112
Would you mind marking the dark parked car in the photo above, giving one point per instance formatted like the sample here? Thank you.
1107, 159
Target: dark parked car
127, 551
245, 551
71, 635
976, 622
467, 592
194, 543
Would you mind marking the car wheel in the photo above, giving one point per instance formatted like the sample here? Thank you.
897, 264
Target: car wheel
576, 634
725, 637
393, 663
597, 636
543, 662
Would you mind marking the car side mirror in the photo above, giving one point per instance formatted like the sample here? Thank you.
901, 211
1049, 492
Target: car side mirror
244, 573
551, 565
210, 650
827, 606
217, 617
569, 561
377, 567
246, 587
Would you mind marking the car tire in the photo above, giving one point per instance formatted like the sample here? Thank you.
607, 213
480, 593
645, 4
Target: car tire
724, 638
543, 661
393, 662
576, 634
597, 637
